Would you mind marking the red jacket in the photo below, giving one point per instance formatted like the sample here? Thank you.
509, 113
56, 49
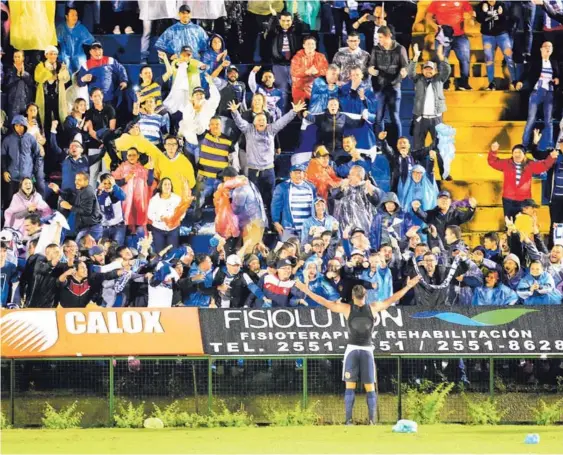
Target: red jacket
524, 190
302, 83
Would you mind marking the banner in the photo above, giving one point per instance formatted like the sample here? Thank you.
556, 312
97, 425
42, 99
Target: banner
398, 331
100, 332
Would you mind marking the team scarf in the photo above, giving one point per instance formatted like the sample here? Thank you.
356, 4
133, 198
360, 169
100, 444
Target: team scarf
446, 282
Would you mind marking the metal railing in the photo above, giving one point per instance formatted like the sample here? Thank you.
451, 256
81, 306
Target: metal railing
259, 384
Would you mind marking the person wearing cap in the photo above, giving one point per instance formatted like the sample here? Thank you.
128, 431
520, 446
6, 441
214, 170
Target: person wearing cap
319, 221
21, 157
292, 203
429, 100
97, 258
234, 287
444, 214
388, 64
72, 36
537, 287
102, 72
357, 200
320, 172
518, 173
273, 95
512, 271
232, 91
183, 33
51, 77
260, 147
306, 65
478, 256
277, 289
18, 85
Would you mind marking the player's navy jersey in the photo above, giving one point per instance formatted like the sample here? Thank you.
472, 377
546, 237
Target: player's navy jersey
360, 325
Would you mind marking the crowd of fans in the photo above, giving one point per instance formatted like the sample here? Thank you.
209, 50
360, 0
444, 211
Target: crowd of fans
103, 179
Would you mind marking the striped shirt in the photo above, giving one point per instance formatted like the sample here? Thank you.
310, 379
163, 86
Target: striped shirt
546, 76
300, 203
558, 179
152, 127
518, 172
214, 155
153, 90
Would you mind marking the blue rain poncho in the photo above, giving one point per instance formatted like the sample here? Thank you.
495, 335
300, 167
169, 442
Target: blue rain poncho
545, 295
180, 35
425, 191
71, 41
499, 295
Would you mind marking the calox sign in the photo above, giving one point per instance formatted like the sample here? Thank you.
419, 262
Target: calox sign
90, 332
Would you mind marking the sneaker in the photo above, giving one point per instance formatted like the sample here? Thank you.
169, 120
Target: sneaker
349, 422
129, 30
371, 422
116, 30
492, 86
463, 87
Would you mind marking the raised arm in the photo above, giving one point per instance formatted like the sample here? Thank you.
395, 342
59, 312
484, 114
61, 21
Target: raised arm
336, 307
381, 306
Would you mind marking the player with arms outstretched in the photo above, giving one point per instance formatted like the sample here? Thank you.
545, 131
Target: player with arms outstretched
358, 358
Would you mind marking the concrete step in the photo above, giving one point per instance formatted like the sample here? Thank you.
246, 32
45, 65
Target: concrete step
479, 113
488, 193
478, 136
492, 219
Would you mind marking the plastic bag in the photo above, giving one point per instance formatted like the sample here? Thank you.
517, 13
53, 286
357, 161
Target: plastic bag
446, 146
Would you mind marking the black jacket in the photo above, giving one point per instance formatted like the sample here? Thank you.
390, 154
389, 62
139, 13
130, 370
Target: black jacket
44, 292
239, 288
274, 40
85, 205
395, 159
389, 64
74, 294
494, 20
427, 296
532, 71
453, 217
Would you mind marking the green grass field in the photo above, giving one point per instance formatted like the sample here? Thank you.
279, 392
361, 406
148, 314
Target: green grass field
439, 439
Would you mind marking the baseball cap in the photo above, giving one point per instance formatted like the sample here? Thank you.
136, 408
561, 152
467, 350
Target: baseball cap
185, 9
232, 68
233, 259
479, 248
357, 252
321, 151
283, 263
229, 171
444, 193
95, 250
430, 65
297, 167
356, 231
187, 49
198, 90
530, 203
96, 44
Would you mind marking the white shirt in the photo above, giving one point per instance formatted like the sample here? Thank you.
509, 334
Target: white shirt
159, 208
429, 103
546, 76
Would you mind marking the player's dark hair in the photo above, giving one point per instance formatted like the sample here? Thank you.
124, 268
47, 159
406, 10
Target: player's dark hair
358, 292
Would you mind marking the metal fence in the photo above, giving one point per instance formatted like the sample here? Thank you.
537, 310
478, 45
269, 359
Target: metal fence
259, 385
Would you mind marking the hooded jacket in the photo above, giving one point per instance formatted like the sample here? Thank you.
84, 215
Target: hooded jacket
545, 295
20, 154
17, 211
209, 57
513, 282
522, 191
384, 280
400, 221
499, 295
425, 191
180, 35
71, 42
388, 62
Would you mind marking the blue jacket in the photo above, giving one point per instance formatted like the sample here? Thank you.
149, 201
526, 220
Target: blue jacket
180, 35
20, 154
499, 295
384, 219
384, 280
319, 286
198, 298
281, 210
326, 223
545, 295
71, 41
209, 57
107, 74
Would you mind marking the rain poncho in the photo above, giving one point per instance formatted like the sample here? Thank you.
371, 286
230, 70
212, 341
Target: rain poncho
399, 221
15, 214
196, 123
186, 78
446, 146
545, 295
239, 209
137, 190
323, 178
319, 285
32, 24
301, 82
149, 10
42, 75
160, 286
71, 41
209, 58
180, 35
198, 298
308, 11
205, 9
499, 295
355, 207
384, 280
425, 191
350, 103
320, 94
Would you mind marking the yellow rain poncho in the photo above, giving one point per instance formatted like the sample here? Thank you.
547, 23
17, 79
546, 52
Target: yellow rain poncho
32, 24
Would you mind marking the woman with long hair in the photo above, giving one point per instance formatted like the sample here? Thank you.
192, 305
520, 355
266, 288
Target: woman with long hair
75, 121
25, 202
161, 210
